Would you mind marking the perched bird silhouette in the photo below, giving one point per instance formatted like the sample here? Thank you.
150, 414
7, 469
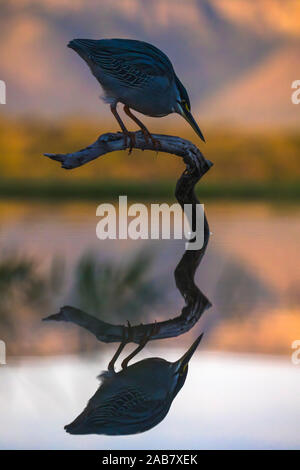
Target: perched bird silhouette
138, 75
135, 399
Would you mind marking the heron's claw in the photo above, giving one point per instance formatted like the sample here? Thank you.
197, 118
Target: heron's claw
132, 142
150, 139
148, 335
155, 329
156, 143
129, 334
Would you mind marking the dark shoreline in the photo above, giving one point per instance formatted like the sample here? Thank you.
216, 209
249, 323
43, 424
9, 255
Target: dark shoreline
107, 190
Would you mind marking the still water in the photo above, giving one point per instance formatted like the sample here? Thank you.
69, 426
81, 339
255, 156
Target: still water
242, 390
229, 401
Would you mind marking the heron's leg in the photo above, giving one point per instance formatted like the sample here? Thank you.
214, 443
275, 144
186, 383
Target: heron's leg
125, 340
144, 129
111, 365
143, 342
130, 135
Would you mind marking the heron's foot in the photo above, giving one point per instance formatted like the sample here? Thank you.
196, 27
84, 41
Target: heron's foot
150, 139
147, 336
152, 332
129, 136
129, 333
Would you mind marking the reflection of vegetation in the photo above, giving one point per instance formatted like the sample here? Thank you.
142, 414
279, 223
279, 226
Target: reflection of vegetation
116, 292
24, 289
239, 292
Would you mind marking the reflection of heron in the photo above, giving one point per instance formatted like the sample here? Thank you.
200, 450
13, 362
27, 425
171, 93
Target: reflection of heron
135, 399
138, 75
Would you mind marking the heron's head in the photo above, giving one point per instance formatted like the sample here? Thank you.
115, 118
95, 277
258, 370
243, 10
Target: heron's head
181, 366
183, 107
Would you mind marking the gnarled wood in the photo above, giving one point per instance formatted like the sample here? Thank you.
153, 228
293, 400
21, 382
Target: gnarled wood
107, 143
195, 301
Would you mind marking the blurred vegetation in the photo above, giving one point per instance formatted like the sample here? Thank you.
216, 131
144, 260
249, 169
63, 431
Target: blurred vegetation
239, 293
116, 292
24, 290
51, 190
247, 164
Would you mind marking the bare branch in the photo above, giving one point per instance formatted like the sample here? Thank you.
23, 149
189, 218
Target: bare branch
195, 301
107, 143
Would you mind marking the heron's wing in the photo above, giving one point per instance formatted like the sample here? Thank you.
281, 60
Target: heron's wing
130, 403
134, 63
126, 411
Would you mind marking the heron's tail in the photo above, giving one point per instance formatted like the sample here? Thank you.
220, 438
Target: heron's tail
78, 426
83, 45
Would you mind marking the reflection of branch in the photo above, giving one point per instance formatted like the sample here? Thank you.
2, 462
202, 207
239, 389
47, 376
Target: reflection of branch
195, 301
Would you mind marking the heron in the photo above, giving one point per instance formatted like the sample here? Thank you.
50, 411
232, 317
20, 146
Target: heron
136, 398
138, 75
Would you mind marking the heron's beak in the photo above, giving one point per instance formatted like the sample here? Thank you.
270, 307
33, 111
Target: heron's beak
189, 118
184, 360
